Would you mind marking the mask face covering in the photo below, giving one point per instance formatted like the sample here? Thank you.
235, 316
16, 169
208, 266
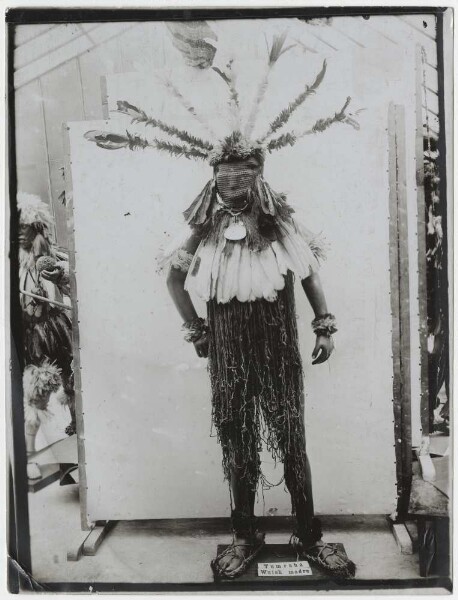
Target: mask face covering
234, 179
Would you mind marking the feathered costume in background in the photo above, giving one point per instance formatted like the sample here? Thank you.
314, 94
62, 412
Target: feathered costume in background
243, 268
47, 327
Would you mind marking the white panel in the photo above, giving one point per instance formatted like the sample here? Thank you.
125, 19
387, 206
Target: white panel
146, 397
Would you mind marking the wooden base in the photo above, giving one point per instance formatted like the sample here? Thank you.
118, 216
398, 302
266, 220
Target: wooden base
86, 543
96, 537
76, 546
275, 553
49, 474
428, 472
403, 539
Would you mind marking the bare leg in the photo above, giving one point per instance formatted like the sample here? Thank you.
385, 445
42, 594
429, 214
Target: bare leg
242, 494
308, 527
302, 500
244, 536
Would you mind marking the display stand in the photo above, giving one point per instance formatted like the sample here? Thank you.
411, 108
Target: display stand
269, 561
87, 543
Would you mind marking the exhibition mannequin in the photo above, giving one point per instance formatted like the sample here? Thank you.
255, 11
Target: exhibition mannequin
242, 253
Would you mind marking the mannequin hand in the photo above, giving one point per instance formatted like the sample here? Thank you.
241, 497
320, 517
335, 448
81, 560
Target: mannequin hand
54, 275
323, 349
201, 346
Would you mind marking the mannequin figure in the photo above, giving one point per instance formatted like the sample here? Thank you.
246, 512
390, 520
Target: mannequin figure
243, 251
237, 368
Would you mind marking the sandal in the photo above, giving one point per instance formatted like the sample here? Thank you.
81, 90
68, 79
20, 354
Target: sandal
236, 550
307, 547
244, 526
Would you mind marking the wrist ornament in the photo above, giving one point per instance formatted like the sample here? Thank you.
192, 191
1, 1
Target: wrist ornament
324, 325
195, 329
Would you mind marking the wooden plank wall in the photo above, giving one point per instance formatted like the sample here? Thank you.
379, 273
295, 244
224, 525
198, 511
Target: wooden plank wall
400, 304
53, 86
421, 235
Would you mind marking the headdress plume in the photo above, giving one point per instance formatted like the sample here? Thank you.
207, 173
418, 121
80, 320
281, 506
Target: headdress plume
275, 52
239, 144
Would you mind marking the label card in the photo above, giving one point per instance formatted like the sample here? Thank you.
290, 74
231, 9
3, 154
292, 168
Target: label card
284, 569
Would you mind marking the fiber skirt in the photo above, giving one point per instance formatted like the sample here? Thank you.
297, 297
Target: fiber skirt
257, 383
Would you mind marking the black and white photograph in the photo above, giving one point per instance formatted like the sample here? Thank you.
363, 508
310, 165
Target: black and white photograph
229, 285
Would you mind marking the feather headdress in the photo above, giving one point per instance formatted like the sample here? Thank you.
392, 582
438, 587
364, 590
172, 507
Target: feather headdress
240, 143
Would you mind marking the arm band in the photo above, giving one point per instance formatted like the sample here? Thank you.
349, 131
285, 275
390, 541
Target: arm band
181, 260
324, 325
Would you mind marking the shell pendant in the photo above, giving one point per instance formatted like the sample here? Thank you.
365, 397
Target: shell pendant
235, 231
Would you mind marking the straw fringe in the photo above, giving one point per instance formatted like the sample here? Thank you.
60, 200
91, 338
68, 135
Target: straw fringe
256, 378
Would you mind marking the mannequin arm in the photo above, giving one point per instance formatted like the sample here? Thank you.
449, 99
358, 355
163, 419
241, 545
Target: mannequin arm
180, 297
182, 300
315, 295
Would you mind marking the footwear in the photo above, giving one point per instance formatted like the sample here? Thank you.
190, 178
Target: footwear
309, 546
243, 526
236, 550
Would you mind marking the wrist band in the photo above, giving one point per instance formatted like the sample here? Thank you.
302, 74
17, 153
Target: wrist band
324, 325
195, 329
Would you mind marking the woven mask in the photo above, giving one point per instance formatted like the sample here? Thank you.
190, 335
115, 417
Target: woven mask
233, 180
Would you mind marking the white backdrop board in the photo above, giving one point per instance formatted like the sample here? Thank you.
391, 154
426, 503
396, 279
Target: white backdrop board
146, 396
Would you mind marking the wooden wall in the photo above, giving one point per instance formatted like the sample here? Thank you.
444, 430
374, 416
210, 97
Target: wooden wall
57, 79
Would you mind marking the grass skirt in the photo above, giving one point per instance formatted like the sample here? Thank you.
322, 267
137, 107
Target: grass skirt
257, 386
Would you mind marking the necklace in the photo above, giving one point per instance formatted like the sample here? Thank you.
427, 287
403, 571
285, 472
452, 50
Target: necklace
236, 230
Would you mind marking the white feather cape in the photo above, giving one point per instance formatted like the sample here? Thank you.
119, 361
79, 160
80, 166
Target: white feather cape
249, 275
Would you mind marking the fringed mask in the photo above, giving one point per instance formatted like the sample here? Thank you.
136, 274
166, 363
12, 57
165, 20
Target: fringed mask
235, 179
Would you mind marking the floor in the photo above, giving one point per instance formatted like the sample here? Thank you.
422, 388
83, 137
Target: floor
140, 552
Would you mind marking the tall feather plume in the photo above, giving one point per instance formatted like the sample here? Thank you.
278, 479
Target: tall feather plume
286, 113
175, 92
289, 139
228, 77
285, 139
116, 141
190, 38
139, 116
276, 50
339, 117
178, 150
